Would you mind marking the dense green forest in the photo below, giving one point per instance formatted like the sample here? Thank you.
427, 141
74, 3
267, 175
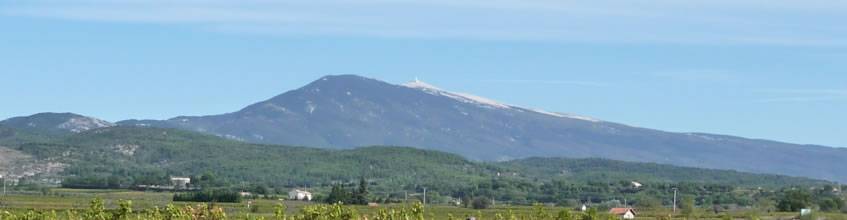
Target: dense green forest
124, 157
128, 156
604, 170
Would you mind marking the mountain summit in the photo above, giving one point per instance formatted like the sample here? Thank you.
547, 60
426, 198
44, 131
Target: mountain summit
348, 111
481, 101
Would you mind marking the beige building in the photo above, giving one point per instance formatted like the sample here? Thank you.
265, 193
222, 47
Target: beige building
298, 194
180, 182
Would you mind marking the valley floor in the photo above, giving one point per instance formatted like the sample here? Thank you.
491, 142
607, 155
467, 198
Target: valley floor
61, 200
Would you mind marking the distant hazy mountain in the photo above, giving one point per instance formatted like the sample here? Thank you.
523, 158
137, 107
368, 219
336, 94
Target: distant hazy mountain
347, 111
55, 123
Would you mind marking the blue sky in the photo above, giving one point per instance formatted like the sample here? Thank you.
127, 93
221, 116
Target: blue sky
761, 69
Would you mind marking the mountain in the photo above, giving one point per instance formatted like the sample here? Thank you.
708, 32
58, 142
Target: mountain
55, 123
347, 111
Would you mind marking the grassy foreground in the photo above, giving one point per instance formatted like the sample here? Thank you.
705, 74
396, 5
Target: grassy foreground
120, 204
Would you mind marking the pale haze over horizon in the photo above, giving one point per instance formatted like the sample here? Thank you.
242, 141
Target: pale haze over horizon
759, 69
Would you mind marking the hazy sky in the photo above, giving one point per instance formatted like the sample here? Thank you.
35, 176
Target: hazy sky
761, 69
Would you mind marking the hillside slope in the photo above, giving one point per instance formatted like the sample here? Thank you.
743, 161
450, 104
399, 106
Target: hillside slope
604, 170
135, 155
123, 156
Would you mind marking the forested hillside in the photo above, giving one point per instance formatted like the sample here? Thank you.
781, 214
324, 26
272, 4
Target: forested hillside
135, 153
124, 157
605, 170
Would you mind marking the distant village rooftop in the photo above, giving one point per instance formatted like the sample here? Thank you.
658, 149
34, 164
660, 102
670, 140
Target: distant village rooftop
623, 213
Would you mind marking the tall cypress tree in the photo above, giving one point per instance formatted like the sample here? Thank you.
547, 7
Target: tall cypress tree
338, 194
361, 195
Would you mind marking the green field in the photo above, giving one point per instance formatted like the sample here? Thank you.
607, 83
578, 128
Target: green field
62, 200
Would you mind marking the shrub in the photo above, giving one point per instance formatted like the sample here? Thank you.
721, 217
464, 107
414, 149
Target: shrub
208, 196
480, 203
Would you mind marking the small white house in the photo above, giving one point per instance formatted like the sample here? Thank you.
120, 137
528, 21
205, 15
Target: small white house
805, 212
623, 213
298, 194
636, 184
180, 182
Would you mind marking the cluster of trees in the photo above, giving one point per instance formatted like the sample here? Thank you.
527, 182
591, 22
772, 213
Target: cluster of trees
94, 182
339, 194
225, 196
651, 195
566, 192
792, 200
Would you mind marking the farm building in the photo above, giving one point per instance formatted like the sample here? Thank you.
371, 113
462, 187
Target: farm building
636, 184
623, 213
298, 194
180, 182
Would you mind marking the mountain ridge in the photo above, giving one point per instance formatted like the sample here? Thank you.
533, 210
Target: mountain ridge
55, 123
348, 111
